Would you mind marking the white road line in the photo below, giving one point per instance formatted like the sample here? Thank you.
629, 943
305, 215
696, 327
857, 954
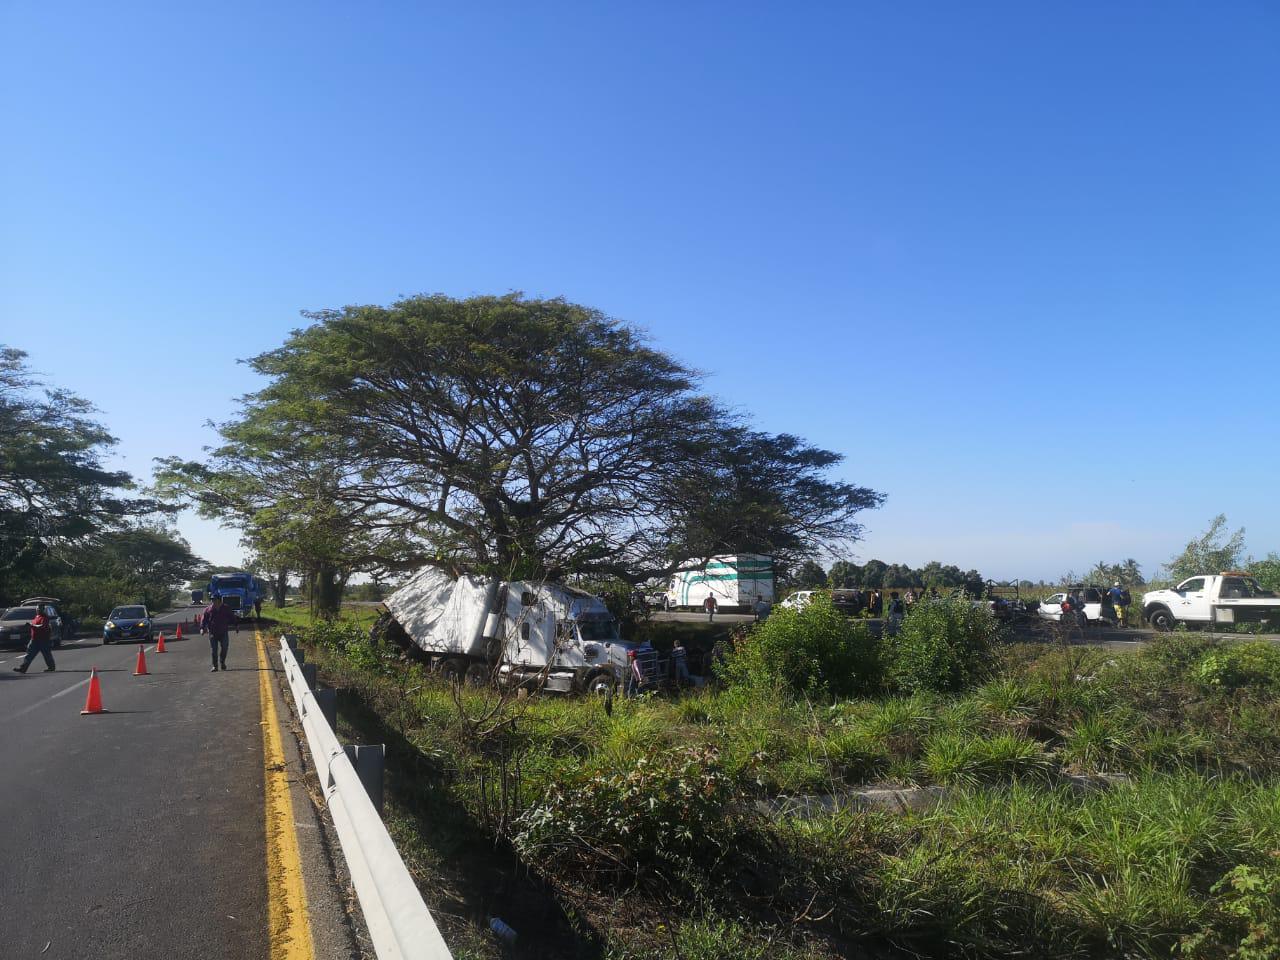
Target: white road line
41, 703
54, 696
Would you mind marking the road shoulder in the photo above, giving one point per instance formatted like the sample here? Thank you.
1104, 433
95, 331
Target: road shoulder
337, 928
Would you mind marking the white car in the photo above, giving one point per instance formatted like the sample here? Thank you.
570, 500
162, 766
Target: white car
1051, 607
799, 600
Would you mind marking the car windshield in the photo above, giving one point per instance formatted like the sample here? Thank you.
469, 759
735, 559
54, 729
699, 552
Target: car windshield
597, 631
129, 613
20, 613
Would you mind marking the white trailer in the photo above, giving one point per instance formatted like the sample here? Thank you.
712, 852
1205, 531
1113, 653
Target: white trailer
516, 632
736, 581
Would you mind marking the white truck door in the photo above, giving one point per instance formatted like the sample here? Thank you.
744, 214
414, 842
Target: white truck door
1193, 600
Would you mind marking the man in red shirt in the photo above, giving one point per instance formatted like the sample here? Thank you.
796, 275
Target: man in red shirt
41, 643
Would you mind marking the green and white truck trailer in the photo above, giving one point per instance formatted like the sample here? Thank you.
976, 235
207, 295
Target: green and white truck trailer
736, 581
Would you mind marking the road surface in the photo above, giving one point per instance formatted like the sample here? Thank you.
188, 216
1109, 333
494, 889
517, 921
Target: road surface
142, 832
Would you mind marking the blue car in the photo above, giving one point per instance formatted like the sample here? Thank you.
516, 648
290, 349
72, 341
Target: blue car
127, 623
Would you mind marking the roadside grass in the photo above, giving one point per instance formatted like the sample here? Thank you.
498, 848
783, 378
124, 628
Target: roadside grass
1029, 852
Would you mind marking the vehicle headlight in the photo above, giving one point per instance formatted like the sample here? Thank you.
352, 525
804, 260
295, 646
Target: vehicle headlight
110, 625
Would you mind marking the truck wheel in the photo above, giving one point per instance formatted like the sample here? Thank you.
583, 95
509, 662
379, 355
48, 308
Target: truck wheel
477, 675
453, 670
602, 683
1162, 620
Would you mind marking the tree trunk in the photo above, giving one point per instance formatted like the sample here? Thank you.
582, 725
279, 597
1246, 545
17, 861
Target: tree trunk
280, 587
328, 591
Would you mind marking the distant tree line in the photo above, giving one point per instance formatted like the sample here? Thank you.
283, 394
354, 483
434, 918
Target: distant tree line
878, 575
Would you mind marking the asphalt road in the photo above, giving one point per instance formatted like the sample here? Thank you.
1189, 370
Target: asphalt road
137, 833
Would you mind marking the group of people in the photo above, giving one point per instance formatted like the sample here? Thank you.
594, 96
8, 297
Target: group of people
1114, 605
217, 619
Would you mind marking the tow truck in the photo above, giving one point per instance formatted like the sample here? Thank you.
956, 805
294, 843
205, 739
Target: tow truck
1210, 599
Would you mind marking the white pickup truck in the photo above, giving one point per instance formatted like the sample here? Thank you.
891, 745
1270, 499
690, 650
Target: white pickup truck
1225, 598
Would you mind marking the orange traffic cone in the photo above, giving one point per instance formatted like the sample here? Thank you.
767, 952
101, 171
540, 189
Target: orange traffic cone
178, 635
141, 669
160, 643
93, 702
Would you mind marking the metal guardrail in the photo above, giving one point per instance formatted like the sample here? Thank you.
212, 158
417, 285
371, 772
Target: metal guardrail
399, 922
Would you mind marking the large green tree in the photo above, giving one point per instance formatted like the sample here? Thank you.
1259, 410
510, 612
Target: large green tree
57, 498
535, 437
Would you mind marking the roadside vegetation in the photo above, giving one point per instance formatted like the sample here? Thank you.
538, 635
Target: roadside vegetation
937, 794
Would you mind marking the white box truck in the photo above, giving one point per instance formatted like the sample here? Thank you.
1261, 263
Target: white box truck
736, 581
479, 629
1230, 597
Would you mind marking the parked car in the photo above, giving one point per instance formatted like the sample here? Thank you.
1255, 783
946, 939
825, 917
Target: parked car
127, 623
799, 600
1051, 607
15, 623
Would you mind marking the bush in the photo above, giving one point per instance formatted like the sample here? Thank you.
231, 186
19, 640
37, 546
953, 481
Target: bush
943, 645
667, 809
957, 759
816, 651
1235, 665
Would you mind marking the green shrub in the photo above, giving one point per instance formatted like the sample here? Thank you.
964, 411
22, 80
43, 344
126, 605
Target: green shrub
957, 759
816, 651
1101, 740
668, 809
1234, 665
944, 644
1249, 898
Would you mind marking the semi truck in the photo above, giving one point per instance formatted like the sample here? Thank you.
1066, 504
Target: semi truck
736, 581
240, 590
476, 629
1209, 599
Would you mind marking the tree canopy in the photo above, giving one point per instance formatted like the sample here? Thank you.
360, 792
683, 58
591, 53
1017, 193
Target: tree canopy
522, 437
1211, 552
59, 504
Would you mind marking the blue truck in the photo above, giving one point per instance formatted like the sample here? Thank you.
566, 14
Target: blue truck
240, 591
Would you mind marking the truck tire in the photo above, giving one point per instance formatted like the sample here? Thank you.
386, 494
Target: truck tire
1162, 620
453, 670
477, 675
601, 683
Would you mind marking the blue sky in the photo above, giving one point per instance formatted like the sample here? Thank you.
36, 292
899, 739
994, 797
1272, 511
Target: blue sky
950, 241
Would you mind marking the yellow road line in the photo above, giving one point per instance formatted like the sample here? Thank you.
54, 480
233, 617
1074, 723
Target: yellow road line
290, 931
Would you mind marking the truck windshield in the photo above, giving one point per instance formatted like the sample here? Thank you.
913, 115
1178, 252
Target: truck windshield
597, 631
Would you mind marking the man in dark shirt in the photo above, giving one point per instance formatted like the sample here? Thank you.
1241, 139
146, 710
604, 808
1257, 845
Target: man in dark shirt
218, 619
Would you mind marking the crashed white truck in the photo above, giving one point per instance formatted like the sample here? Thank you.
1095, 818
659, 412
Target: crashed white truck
481, 630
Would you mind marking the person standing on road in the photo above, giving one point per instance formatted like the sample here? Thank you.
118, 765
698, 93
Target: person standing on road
710, 605
761, 608
1120, 600
218, 619
41, 643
